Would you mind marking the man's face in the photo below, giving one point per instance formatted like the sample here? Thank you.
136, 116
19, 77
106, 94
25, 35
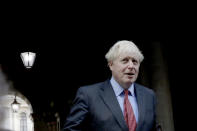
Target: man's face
125, 69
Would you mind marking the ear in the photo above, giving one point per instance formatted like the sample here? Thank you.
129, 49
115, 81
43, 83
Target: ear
110, 63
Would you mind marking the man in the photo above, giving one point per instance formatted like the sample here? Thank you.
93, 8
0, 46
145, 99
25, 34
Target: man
118, 104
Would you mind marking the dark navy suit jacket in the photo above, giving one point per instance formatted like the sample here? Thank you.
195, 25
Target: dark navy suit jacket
96, 108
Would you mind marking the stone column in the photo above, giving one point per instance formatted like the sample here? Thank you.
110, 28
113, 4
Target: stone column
160, 85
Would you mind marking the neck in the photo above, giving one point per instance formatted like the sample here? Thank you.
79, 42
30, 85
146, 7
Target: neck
125, 86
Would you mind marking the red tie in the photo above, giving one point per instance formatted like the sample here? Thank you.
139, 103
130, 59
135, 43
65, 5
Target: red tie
128, 113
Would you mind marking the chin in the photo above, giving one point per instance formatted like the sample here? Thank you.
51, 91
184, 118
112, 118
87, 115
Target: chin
129, 82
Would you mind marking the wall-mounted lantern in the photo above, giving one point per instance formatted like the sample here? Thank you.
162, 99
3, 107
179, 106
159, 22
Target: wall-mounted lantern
15, 105
28, 59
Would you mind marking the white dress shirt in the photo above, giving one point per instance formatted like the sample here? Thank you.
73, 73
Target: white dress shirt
119, 92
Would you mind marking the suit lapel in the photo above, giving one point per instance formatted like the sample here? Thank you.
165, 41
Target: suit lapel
109, 98
141, 105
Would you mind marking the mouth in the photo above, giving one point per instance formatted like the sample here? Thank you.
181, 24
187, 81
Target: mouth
130, 74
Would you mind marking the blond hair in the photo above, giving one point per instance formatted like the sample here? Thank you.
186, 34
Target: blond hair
121, 47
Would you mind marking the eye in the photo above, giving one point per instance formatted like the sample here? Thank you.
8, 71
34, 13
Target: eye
135, 62
125, 60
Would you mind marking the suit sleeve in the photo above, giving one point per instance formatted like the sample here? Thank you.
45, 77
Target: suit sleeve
78, 112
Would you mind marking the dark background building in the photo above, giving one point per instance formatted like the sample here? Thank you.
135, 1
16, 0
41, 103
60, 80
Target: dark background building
59, 70
70, 53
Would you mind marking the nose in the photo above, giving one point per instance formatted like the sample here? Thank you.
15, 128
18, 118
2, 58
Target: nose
130, 64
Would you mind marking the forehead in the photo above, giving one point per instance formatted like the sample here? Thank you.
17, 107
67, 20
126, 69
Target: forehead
123, 55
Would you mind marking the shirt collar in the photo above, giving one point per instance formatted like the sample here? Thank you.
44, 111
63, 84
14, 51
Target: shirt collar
118, 89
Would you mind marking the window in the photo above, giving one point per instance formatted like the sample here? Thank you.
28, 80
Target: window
23, 122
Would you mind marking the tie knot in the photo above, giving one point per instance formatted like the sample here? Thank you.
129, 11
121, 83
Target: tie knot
126, 92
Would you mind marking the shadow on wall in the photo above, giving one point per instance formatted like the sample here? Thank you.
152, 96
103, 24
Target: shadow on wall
4, 87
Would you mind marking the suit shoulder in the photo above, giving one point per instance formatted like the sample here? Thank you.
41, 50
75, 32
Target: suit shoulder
145, 89
92, 87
